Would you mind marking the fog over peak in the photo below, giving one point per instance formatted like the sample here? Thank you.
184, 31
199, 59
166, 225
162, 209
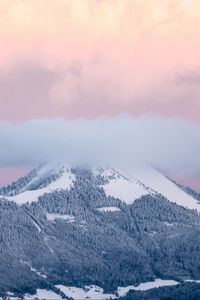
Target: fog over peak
172, 145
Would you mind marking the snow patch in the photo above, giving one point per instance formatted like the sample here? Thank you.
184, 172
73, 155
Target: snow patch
42, 294
53, 217
192, 280
92, 292
38, 273
124, 189
96, 293
108, 209
122, 291
121, 186
37, 226
33, 269
169, 224
10, 296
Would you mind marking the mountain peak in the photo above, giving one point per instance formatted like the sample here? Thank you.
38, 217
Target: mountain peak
124, 185
44, 179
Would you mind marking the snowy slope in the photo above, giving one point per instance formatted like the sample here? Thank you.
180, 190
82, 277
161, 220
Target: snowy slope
53, 217
123, 291
108, 209
126, 186
43, 294
91, 292
94, 292
64, 182
161, 184
129, 186
122, 186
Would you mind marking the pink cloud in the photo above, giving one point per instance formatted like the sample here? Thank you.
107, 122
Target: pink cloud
106, 57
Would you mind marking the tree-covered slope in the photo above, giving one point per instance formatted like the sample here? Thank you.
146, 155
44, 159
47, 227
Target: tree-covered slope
65, 237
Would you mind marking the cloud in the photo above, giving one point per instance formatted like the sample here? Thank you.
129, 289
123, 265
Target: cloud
189, 78
25, 92
171, 145
105, 57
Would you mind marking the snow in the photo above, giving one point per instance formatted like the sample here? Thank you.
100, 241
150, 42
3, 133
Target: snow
90, 292
129, 186
108, 209
125, 190
169, 224
107, 173
37, 226
38, 272
192, 280
64, 182
96, 293
10, 296
121, 187
43, 294
124, 185
53, 217
47, 244
161, 184
122, 291
33, 269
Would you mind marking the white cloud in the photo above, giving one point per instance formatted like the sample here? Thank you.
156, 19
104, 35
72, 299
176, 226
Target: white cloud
169, 144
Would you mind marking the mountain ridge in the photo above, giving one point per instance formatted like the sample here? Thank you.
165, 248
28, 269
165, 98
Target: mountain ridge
127, 186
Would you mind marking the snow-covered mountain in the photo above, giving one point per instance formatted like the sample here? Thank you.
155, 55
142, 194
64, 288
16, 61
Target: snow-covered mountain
64, 227
126, 186
129, 186
46, 179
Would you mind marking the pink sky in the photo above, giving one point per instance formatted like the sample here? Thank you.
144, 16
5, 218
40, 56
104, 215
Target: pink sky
10, 174
89, 58
92, 58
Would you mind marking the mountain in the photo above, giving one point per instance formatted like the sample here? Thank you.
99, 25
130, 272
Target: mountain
118, 184
67, 226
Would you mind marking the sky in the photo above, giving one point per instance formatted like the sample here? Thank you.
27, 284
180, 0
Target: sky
89, 63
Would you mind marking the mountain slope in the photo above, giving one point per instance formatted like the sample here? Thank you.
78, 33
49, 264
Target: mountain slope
74, 233
118, 184
145, 181
45, 180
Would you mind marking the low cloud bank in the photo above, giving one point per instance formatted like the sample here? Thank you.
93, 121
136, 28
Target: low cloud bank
172, 145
